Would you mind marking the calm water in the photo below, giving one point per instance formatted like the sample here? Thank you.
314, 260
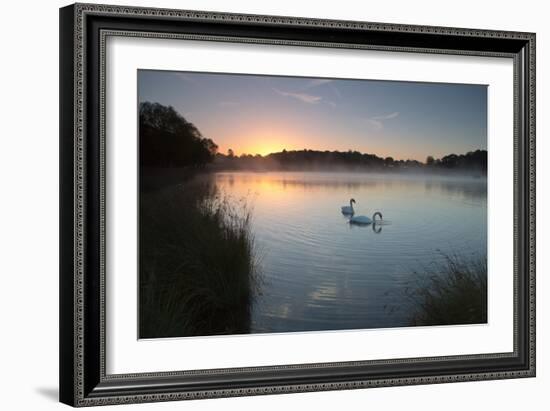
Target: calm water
321, 273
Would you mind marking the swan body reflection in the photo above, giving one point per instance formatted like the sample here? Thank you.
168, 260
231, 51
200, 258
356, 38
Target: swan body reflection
364, 220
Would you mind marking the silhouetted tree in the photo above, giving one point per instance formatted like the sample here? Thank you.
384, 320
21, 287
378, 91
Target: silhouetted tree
449, 161
168, 140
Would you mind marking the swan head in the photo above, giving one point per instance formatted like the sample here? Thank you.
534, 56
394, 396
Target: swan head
378, 213
352, 201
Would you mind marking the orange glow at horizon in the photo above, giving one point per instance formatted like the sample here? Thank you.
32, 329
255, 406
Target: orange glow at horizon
267, 143
262, 135
262, 149
263, 141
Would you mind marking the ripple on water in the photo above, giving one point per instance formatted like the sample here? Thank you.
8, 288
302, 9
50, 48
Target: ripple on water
322, 273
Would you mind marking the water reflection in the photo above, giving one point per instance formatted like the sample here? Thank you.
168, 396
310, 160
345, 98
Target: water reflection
323, 273
469, 187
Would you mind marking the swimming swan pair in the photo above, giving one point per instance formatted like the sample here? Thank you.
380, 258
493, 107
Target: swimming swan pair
360, 219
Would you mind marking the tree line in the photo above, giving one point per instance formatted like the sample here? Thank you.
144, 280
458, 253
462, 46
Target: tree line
314, 159
167, 139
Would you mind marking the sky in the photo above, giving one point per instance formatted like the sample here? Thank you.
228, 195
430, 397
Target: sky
256, 114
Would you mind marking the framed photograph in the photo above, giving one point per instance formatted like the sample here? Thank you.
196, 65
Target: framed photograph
261, 204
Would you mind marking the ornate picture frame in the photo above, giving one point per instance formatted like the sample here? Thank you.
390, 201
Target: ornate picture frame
84, 32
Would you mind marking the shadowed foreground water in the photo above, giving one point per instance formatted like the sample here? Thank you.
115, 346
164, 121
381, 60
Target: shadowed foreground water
321, 273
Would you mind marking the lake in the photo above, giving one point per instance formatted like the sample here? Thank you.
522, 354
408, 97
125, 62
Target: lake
321, 273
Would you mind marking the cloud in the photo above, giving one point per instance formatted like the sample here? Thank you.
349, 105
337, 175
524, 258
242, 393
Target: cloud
378, 121
335, 91
320, 82
375, 123
306, 97
386, 117
303, 97
316, 83
186, 77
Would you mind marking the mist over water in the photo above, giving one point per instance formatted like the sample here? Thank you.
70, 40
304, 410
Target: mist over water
321, 273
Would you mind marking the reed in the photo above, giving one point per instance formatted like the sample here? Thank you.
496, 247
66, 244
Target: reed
453, 291
198, 271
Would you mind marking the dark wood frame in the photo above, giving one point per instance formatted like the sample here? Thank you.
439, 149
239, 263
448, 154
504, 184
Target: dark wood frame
83, 30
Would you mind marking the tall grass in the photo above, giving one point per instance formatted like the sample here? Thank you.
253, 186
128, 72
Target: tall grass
198, 271
451, 292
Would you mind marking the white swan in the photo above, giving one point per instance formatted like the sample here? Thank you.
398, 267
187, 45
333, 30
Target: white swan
348, 210
364, 220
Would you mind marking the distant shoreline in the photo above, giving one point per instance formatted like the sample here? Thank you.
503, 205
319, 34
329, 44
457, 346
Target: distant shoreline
473, 162
358, 170
152, 178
